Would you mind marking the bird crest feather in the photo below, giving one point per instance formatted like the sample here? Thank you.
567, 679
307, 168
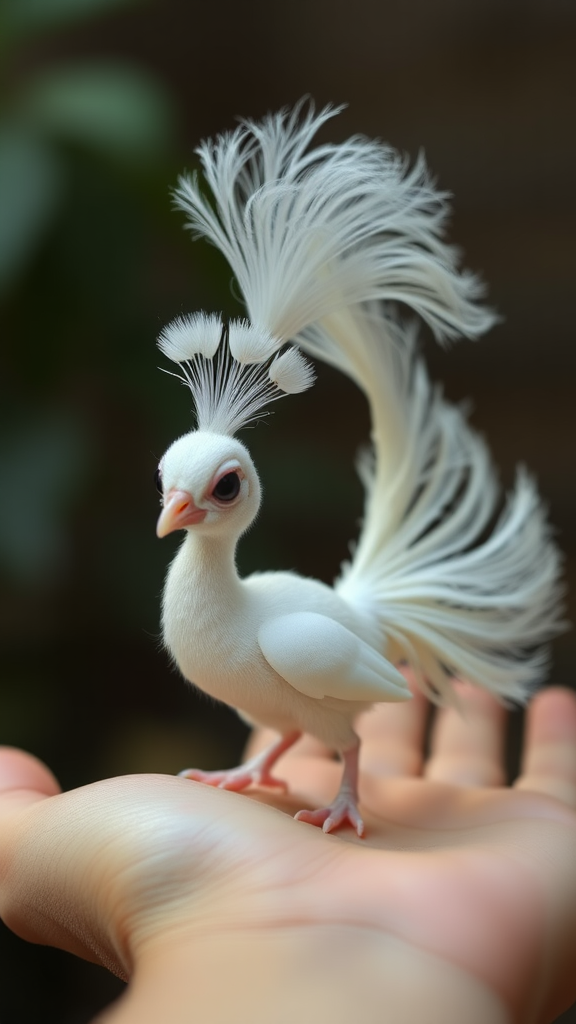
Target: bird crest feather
234, 370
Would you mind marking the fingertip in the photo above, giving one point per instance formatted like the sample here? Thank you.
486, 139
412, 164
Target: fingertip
549, 761
20, 770
477, 699
560, 695
552, 714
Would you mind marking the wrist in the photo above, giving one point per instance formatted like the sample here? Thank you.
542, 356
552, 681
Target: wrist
320, 973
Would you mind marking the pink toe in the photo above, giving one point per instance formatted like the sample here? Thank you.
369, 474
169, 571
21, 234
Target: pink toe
331, 818
313, 817
192, 773
234, 783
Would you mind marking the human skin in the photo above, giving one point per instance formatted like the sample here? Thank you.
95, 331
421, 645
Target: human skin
460, 903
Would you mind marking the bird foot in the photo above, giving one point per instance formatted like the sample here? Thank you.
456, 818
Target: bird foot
255, 772
235, 779
343, 811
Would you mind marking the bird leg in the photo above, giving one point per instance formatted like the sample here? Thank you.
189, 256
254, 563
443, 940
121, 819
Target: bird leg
345, 807
255, 772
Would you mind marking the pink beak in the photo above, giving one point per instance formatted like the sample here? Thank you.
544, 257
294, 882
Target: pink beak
179, 511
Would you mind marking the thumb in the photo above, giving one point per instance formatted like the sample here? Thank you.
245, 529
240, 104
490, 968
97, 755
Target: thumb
24, 782
38, 881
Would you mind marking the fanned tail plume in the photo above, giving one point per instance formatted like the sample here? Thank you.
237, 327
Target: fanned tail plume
459, 590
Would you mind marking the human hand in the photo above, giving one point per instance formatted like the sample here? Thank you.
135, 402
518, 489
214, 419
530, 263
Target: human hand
460, 904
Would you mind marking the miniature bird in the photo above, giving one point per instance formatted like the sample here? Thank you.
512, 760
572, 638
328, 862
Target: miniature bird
331, 247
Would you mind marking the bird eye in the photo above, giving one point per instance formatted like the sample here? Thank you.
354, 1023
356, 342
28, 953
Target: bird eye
227, 488
158, 480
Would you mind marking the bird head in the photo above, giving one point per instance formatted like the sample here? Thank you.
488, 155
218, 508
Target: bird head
208, 484
207, 479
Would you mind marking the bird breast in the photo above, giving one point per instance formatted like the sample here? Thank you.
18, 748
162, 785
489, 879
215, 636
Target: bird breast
211, 621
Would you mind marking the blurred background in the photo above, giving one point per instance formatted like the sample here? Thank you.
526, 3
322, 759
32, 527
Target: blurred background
102, 104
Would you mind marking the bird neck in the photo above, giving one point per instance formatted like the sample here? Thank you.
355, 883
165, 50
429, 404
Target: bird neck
211, 560
203, 597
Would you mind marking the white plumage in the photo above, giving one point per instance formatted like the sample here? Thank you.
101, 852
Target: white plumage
329, 246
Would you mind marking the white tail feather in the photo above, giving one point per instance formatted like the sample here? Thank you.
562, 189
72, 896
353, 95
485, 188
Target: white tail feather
307, 233
456, 593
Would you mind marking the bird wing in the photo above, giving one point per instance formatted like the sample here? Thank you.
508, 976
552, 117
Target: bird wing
321, 658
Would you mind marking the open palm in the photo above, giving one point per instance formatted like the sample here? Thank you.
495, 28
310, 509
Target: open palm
457, 872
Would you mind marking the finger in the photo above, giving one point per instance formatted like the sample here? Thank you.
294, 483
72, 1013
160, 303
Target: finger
392, 737
549, 762
467, 744
23, 780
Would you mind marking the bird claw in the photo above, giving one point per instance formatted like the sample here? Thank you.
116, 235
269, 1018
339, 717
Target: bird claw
235, 779
342, 811
255, 772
